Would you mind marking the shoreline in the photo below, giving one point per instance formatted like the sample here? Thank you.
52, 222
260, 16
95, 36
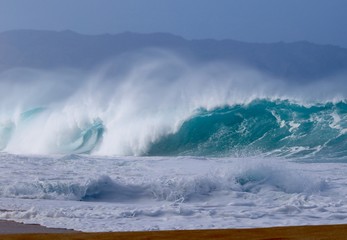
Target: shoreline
10, 230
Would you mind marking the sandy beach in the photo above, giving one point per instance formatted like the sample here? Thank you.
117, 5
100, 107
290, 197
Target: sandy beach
12, 231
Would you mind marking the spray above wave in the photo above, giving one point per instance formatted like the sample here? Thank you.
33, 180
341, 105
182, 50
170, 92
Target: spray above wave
163, 105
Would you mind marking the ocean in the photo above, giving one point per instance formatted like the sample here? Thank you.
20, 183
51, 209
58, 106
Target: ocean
167, 144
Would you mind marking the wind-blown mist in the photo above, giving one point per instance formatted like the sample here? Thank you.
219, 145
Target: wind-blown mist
158, 103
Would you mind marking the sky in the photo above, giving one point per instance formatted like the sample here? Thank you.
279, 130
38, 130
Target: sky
319, 21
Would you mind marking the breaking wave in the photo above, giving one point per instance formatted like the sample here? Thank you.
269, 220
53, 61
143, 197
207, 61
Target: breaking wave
167, 106
278, 127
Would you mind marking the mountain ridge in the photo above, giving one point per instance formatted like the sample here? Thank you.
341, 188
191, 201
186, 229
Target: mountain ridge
67, 49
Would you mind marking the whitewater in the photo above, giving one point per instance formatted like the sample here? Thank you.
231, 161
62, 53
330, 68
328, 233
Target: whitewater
155, 141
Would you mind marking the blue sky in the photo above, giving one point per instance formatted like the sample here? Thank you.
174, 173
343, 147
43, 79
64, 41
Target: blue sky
320, 21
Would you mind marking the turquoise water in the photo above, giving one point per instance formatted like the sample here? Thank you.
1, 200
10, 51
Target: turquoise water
274, 127
277, 128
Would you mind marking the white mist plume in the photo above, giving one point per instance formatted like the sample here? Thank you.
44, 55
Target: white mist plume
138, 99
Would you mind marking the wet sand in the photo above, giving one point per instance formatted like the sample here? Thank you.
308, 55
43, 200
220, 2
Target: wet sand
14, 231
10, 227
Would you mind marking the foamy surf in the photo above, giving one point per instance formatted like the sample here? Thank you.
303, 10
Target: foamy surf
136, 193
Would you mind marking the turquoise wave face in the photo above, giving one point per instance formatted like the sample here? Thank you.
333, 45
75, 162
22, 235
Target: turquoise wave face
278, 128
